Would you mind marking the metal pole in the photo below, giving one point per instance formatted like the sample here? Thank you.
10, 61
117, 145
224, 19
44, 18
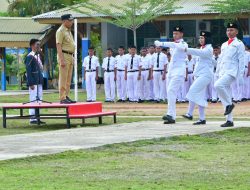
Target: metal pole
75, 68
3, 78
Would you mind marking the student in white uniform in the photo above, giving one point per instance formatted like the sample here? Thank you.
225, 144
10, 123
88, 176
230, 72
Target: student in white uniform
145, 64
121, 84
232, 60
110, 72
151, 52
91, 65
216, 59
133, 75
159, 74
190, 63
246, 86
176, 71
34, 70
203, 75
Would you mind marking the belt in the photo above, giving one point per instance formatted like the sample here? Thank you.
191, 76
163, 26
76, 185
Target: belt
90, 70
110, 71
67, 52
120, 70
158, 70
133, 71
145, 69
191, 72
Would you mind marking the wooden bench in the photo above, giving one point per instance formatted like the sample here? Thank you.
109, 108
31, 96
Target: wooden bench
72, 111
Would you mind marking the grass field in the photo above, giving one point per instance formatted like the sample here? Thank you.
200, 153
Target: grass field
207, 162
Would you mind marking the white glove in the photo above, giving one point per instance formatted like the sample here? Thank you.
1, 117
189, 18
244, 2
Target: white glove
241, 81
158, 43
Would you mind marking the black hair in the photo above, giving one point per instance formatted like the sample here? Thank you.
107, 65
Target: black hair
208, 40
144, 48
153, 46
91, 47
33, 41
164, 49
110, 49
216, 46
132, 47
121, 47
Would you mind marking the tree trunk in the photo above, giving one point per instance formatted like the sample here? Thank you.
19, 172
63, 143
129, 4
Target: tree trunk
135, 39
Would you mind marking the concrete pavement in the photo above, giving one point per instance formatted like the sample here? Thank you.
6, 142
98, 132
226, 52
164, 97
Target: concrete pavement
24, 145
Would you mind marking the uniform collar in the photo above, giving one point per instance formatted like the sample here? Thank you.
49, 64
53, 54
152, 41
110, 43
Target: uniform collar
178, 41
65, 28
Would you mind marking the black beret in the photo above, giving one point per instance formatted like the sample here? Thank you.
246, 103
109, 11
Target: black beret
205, 34
178, 29
67, 17
232, 25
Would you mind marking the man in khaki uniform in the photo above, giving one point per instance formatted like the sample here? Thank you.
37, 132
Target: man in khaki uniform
65, 57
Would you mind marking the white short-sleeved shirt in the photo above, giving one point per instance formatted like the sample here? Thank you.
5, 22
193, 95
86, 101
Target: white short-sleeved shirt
150, 56
136, 63
163, 60
145, 62
121, 62
94, 63
190, 64
112, 63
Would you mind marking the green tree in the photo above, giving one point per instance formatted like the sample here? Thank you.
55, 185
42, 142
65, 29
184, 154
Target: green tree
34, 7
230, 9
131, 14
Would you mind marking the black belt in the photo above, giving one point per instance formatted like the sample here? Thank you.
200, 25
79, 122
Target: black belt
90, 70
191, 72
109, 71
67, 52
145, 69
133, 71
120, 70
158, 70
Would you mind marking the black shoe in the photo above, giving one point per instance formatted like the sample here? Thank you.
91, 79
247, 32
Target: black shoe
119, 100
65, 101
200, 122
107, 101
140, 101
169, 122
157, 101
214, 101
187, 116
229, 109
35, 122
168, 118
72, 101
228, 124
89, 101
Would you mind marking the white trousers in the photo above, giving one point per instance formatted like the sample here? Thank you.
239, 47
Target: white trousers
151, 89
159, 93
181, 96
132, 84
214, 92
144, 85
236, 90
121, 85
32, 96
189, 82
197, 91
174, 84
245, 89
223, 87
109, 86
91, 86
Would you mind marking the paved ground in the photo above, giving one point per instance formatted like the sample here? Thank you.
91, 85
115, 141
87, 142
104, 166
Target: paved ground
19, 146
